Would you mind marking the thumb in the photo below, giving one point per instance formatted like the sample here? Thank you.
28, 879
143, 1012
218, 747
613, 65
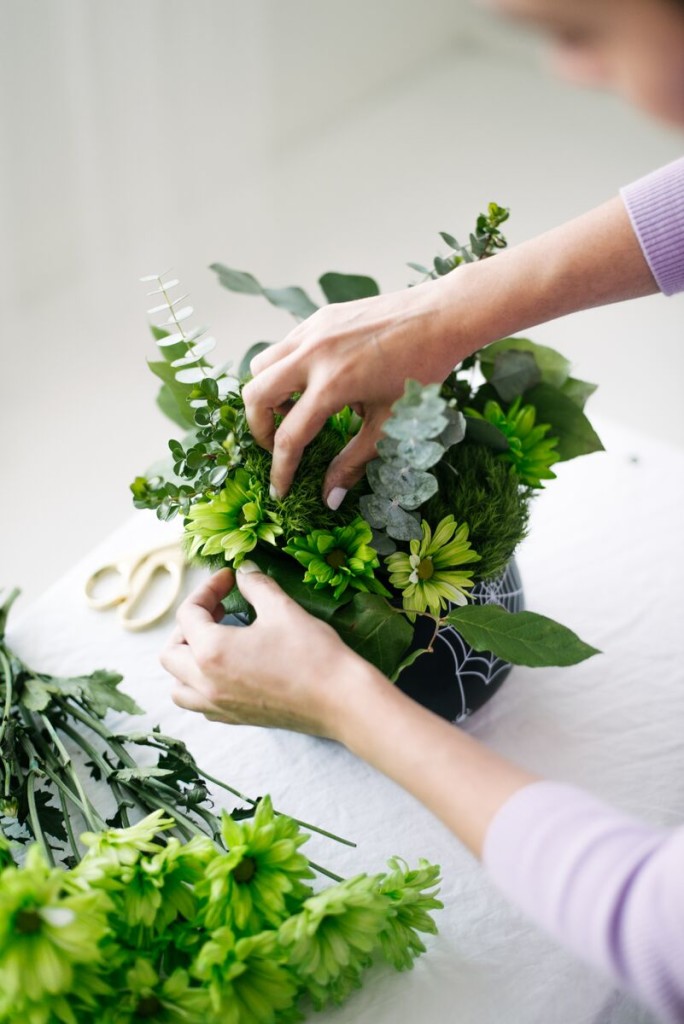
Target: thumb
349, 466
262, 592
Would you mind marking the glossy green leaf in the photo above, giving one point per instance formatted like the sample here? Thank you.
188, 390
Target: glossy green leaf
578, 391
375, 630
289, 575
523, 638
482, 432
554, 368
576, 436
347, 287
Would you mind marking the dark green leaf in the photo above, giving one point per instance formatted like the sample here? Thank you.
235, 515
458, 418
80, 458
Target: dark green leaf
375, 630
50, 817
513, 373
408, 660
523, 638
554, 367
235, 604
482, 432
173, 392
576, 436
578, 391
289, 575
347, 287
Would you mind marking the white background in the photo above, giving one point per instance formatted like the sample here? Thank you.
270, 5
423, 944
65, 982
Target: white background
285, 137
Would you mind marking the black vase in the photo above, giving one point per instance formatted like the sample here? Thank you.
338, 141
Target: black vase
454, 680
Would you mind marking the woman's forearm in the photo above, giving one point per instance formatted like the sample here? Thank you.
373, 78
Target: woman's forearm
451, 774
591, 261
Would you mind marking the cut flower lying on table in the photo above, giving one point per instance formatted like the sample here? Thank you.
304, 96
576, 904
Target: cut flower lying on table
441, 509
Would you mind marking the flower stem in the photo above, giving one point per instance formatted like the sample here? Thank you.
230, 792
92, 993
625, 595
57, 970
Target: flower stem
34, 817
7, 674
67, 824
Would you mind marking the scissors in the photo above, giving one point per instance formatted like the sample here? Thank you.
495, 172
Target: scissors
136, 574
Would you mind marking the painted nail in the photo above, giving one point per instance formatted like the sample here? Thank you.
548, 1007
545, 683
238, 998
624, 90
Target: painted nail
273, 494
336, 497
246, 567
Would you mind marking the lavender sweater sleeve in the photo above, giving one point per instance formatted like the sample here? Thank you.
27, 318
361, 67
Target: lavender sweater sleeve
656, 208
606, 885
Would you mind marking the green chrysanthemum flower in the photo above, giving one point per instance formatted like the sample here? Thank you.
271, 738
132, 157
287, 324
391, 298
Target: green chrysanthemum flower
408, 912
143, 995
250, 886
232, 522
430, 576
46, 935
530, 451
244, 978
339, 558
330, 941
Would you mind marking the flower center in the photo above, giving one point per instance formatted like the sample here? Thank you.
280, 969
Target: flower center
426, 569
27, 922
148, 1006
336, 558
245, 870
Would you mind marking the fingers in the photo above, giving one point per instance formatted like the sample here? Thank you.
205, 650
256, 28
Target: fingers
265, 394
262, 592
203, 606
274, 353
299, 427
349, 466
191, 700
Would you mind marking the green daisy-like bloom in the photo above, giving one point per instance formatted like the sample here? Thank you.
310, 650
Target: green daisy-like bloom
143, 995
430, 576
245, 979
251, 886
530, 451
408, 912
46, 935
232, 522
330, 941
339, 558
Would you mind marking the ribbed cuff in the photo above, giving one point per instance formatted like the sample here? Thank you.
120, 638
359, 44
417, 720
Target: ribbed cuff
655, 205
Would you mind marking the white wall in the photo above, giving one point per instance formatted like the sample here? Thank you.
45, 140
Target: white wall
286, 137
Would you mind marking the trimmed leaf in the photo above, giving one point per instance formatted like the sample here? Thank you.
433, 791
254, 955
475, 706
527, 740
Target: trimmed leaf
347, 287
554, 368
575, 434
522, 638
513, 373
375, 630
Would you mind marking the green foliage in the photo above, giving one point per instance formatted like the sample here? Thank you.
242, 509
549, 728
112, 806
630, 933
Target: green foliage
375, 630
523, 638
553, 368
575, 434
476, 488
347, 287
293, 300
483, 242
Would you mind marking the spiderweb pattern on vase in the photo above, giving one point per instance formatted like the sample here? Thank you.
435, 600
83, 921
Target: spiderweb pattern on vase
485, 666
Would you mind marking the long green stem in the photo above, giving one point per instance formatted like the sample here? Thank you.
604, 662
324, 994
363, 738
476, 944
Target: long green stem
7, 675
67, 824
34, 817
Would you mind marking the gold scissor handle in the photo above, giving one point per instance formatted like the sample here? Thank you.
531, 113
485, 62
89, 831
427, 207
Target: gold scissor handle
169, 560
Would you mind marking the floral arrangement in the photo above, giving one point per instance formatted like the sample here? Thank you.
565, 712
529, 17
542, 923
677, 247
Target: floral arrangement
186, 917
442, 507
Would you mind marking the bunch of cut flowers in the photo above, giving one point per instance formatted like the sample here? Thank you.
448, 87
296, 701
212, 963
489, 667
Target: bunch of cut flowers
441, 509
185, 917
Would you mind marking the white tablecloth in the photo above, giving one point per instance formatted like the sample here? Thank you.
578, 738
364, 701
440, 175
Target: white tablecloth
606, 557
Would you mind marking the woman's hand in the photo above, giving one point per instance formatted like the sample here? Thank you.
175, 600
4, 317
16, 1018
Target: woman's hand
286, 670
352, 353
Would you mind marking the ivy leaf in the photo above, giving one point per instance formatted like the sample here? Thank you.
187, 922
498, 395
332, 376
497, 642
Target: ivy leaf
575, 434
513, 373
376, 631
347, 287
554, 368
522, 638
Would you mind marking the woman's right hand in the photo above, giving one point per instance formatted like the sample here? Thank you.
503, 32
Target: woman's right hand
357, 353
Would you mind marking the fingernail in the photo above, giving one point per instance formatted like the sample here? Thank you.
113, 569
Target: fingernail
273, 494
246, 567
336, 497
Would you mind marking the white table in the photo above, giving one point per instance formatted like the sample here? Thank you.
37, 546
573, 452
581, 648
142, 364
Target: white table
606, 557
